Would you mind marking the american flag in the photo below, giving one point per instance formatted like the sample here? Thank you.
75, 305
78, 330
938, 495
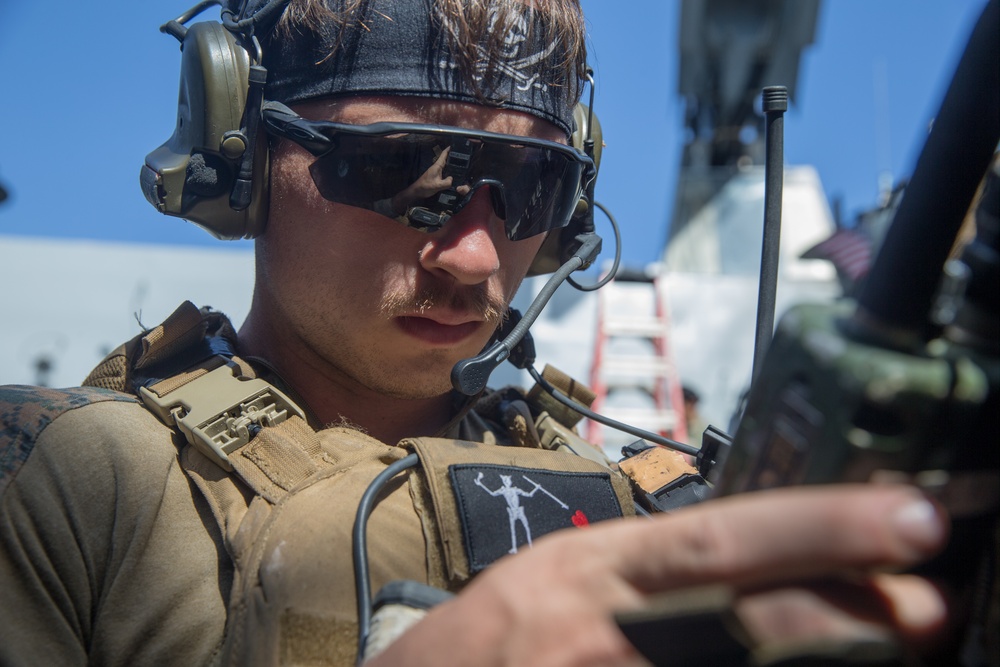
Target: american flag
850, 251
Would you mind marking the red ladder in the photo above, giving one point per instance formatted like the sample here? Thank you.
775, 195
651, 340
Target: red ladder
632, 352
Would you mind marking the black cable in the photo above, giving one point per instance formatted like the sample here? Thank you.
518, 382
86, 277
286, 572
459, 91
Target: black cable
618, 255
262, 17
607, 421
362, 582
175, 27
641, 511
197, 9
588, 219
540, 301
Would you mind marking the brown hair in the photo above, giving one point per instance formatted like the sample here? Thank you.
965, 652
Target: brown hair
473, 25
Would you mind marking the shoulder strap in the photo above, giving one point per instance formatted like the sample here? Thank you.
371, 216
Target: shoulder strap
247, 438
187, 374
218, 407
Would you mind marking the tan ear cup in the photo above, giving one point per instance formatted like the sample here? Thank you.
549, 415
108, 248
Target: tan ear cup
586, 122
191, 175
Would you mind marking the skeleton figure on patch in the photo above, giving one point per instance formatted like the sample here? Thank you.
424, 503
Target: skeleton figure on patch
515, 512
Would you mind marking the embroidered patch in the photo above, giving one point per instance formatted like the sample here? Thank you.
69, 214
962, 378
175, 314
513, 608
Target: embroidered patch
26, 411
502, 509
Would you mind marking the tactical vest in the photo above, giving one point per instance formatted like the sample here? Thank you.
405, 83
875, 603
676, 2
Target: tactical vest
285, 495
509, 469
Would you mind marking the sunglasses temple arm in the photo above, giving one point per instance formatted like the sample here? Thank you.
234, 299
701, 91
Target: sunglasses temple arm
469, 376
285, 123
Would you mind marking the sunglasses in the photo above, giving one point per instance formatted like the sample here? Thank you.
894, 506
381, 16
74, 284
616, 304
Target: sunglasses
421, 175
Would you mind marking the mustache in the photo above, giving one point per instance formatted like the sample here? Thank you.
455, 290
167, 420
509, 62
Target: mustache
492, 308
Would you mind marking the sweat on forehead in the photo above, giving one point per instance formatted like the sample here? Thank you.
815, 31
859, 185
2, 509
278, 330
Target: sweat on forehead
511, 57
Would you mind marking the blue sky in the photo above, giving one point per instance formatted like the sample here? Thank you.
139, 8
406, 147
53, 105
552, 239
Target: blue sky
88, 92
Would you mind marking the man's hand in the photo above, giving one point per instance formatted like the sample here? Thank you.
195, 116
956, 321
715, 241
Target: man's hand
808, 563
430, 183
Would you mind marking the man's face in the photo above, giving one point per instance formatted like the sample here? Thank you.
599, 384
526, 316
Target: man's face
370, 303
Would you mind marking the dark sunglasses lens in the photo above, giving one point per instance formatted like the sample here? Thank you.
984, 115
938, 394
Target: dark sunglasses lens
391, 175
366, 171
541, 188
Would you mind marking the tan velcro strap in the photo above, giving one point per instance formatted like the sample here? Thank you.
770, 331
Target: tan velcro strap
241, 369
184, 328
279, 458
170, 384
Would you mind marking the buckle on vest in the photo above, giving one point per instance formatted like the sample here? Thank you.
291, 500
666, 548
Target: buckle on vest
215, 411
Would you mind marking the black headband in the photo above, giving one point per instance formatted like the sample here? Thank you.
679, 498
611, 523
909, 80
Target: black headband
401, 47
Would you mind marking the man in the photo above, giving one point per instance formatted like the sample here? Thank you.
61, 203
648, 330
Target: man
126, 537
695, 423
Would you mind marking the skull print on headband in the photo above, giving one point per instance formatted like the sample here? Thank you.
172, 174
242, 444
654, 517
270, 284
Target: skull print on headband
404, 47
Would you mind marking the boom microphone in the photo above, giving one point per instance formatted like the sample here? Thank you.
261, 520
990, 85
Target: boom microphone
469, 376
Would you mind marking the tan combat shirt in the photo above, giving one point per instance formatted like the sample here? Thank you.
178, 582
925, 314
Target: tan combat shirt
107, 554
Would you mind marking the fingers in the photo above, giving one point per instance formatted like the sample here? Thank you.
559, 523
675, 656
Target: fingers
882, 607
919, 610
771, 543
553, 604
441, 160
780, 535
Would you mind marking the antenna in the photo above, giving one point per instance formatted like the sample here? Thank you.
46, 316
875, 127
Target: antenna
775, 103
883, 137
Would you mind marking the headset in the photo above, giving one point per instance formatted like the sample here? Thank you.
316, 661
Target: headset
214, 169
